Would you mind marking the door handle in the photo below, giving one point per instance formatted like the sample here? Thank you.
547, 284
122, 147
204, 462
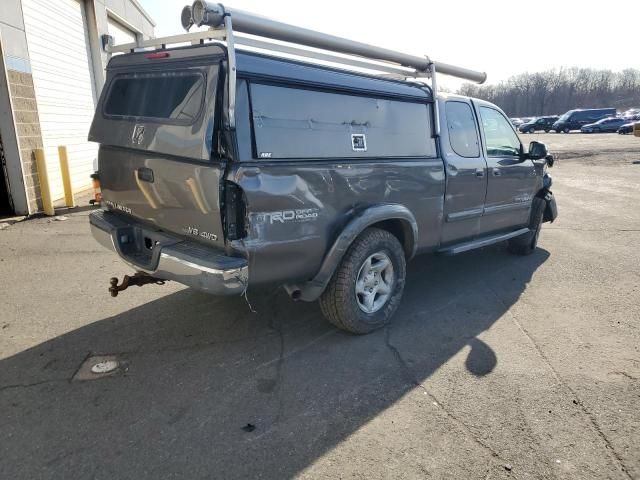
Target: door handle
479, 172
145, 174
497, 172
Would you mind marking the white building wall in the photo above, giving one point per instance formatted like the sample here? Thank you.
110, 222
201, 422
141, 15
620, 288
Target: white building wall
52, 52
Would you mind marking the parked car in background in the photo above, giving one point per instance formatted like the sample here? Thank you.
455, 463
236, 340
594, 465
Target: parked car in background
631, 114
516, 122
606, 125
627, 128
538, 124
576, 119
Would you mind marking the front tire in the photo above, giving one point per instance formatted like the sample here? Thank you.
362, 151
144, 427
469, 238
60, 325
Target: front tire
527, 243
366, 289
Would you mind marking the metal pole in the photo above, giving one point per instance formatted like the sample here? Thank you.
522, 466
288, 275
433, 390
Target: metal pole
45, 193
66, 177
436, 107
231, 78
212, 14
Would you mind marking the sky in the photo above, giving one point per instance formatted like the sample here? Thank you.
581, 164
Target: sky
500, 37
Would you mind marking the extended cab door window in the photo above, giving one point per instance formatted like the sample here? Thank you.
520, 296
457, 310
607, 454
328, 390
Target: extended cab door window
461, 125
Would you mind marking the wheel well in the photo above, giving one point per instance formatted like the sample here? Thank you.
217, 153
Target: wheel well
401, 230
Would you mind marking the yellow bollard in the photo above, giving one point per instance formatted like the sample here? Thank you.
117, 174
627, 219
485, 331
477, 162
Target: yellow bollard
45, 192
66, 177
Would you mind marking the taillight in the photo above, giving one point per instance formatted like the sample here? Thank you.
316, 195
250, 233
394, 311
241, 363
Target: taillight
234, 211
155, 55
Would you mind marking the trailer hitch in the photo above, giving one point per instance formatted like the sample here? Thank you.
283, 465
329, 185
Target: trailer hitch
138, 279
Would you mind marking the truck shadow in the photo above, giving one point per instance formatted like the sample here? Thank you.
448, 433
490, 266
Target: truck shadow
214, 390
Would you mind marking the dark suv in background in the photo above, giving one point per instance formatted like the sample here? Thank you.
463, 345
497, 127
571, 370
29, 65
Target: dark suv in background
538, 124
576, 119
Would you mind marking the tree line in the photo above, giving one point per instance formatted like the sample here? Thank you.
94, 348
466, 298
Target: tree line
555, 91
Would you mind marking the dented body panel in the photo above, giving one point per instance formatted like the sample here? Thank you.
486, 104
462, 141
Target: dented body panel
296, 212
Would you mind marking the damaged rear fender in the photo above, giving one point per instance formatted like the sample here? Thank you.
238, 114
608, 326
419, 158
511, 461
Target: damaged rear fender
395, 218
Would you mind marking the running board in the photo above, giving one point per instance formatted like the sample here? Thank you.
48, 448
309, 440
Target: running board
481, 242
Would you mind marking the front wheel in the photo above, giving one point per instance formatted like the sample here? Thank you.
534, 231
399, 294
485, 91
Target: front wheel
566, 130
527, 243
366, 289
532, 130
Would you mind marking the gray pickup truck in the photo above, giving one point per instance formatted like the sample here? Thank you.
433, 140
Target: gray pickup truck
326, 181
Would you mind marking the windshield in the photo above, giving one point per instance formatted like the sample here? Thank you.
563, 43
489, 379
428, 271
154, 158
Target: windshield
566, 116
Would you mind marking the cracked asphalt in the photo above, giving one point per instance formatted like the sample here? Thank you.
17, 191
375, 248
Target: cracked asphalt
496, 366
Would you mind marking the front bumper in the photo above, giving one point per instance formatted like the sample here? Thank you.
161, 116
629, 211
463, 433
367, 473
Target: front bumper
168, 257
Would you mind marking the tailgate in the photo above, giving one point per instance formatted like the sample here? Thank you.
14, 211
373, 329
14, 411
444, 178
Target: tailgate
155, 123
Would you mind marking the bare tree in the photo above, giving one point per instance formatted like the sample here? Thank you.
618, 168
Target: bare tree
554, 92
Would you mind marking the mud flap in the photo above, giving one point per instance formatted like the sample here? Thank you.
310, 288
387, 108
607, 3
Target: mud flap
550, 209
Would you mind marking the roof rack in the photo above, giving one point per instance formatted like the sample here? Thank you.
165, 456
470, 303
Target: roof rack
225, 23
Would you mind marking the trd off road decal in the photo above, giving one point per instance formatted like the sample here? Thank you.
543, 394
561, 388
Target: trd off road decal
287, 216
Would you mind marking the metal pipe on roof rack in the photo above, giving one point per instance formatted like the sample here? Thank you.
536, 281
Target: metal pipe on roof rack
212, 14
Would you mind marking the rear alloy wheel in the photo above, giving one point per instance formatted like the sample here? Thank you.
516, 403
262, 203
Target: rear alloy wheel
367, 286
374, 282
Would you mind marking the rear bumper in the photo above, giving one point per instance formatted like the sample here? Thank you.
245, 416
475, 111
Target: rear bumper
170, 258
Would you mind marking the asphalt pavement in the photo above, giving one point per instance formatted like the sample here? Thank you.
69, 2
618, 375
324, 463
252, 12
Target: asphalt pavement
497, 366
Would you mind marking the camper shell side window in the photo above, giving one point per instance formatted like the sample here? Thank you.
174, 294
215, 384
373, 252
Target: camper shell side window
293, 122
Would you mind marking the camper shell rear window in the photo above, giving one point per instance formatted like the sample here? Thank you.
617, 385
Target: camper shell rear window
167, 97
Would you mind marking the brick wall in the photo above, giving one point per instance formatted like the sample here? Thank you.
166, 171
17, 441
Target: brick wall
29, 135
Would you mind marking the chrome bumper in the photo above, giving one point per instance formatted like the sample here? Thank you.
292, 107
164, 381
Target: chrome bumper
170, 258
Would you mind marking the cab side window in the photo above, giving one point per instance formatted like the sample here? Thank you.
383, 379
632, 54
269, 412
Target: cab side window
500, 138
462, 129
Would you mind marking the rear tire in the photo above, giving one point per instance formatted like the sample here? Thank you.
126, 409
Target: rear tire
527, 243
566, 130
367, 286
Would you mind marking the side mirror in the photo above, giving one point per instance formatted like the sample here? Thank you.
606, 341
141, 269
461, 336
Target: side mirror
550, 160
537, 151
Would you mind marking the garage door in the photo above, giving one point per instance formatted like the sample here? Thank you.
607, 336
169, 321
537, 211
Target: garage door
64, 86
120, 33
